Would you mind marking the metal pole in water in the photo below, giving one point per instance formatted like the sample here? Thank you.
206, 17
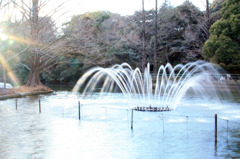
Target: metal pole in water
39, 106
227, 130
16, 103
163, 122
187, 126
132, 120
215, 128
79, 111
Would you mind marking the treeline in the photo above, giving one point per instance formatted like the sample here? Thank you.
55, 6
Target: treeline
102, 39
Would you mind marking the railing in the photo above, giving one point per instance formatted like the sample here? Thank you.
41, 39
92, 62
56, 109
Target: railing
218, 76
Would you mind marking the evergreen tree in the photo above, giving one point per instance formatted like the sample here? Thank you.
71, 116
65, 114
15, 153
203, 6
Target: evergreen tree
223, 45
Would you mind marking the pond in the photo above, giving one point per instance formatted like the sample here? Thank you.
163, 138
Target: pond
104, 130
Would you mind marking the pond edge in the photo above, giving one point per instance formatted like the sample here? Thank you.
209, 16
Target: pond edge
19, 95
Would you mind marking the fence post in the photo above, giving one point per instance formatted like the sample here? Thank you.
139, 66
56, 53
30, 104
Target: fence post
215, 128
16, 103
79, 111
132, 120
163, 122
227, 130
39, 105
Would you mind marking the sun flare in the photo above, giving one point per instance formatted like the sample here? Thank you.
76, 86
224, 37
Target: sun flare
9, 71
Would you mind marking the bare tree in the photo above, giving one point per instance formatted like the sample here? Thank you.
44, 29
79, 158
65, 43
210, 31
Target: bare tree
5, 3
102, 38
39, 36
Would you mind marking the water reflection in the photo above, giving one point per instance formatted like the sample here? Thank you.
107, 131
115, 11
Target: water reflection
22, 135
104, 131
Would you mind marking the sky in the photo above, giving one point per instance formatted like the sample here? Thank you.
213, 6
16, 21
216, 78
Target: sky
123, 7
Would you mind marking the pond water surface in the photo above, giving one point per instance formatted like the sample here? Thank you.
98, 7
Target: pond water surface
104, 130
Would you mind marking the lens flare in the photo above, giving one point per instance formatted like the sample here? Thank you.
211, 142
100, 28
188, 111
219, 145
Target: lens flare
10, 42
3, 37
5, 65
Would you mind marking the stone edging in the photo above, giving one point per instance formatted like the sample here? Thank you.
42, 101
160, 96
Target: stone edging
19, 95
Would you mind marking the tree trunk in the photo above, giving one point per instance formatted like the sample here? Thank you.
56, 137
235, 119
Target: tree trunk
166, 54
207, 17
144, 47
34, 77
4, 77
34, 73
155, 43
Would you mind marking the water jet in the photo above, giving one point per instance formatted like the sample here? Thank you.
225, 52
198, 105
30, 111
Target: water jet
160, 92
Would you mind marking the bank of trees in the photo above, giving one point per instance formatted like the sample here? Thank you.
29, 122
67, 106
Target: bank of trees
102, 39
182, 32
223, 46
96, 39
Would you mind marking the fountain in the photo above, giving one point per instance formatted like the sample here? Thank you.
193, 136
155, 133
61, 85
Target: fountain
161, 92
